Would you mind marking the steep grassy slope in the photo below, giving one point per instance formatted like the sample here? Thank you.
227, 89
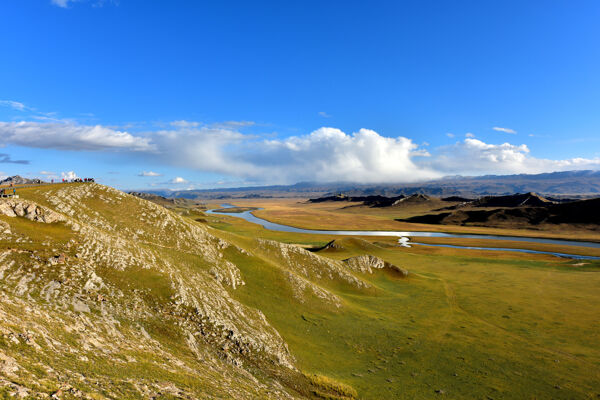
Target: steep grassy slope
121, 298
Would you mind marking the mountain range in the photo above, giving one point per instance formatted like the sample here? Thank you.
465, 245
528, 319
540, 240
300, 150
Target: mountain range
569, 183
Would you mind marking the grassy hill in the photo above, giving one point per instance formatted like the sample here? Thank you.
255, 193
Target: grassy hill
105, 295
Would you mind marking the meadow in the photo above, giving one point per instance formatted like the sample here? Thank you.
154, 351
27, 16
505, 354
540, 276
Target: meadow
464, 324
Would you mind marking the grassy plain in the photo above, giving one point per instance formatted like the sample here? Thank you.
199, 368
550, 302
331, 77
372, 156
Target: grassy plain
465, 324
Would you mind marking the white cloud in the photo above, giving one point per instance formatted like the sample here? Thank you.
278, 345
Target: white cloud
469, 135
238, 124
13, 104
61, 3
450, 135
68, 175
327, 154
324, 114
149, 173
69, 136
473, 156
178, 180
505, 130
185, 124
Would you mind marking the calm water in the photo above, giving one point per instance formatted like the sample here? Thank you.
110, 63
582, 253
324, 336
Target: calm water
247, 215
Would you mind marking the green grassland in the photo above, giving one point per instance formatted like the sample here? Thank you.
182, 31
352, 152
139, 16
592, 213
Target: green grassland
462, 325
466, 323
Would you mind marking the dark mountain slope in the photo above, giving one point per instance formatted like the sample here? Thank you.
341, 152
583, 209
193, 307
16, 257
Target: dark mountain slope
515, 200
578, 212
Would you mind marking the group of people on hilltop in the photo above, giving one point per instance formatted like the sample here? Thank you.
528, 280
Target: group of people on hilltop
76, 180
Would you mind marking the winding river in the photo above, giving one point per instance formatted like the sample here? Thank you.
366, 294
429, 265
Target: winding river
403, 235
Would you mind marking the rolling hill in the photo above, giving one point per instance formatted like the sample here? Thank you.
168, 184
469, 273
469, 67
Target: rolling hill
105, 295
518, 211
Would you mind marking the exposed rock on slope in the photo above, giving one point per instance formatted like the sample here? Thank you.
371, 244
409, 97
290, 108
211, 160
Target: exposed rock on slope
120, 298
31, 211
414, 198
310, 274
366, 264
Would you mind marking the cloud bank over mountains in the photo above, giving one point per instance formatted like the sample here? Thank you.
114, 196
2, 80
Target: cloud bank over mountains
326, 154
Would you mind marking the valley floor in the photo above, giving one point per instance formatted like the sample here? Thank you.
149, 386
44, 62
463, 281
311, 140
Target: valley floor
467, 324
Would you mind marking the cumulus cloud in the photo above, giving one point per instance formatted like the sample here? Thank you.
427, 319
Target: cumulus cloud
203, 148
149, 173
469, 135
178, 180
327, 154
68, 175
473, 156
324, 114
69, 136
505, 130
5, 159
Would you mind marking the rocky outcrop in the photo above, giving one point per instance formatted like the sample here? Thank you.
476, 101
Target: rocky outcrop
367, 263
130, 274
29, 210
226, 273
310, 265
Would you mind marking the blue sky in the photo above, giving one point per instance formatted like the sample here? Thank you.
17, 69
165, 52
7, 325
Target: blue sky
140, 93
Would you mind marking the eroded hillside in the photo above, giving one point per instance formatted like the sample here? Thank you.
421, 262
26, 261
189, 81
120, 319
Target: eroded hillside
104, 295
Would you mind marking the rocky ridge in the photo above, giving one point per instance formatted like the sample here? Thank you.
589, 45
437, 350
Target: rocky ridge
85, 301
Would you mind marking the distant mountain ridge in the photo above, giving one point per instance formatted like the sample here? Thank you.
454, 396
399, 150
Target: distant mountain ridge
579, 184
517, 200
19, 180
